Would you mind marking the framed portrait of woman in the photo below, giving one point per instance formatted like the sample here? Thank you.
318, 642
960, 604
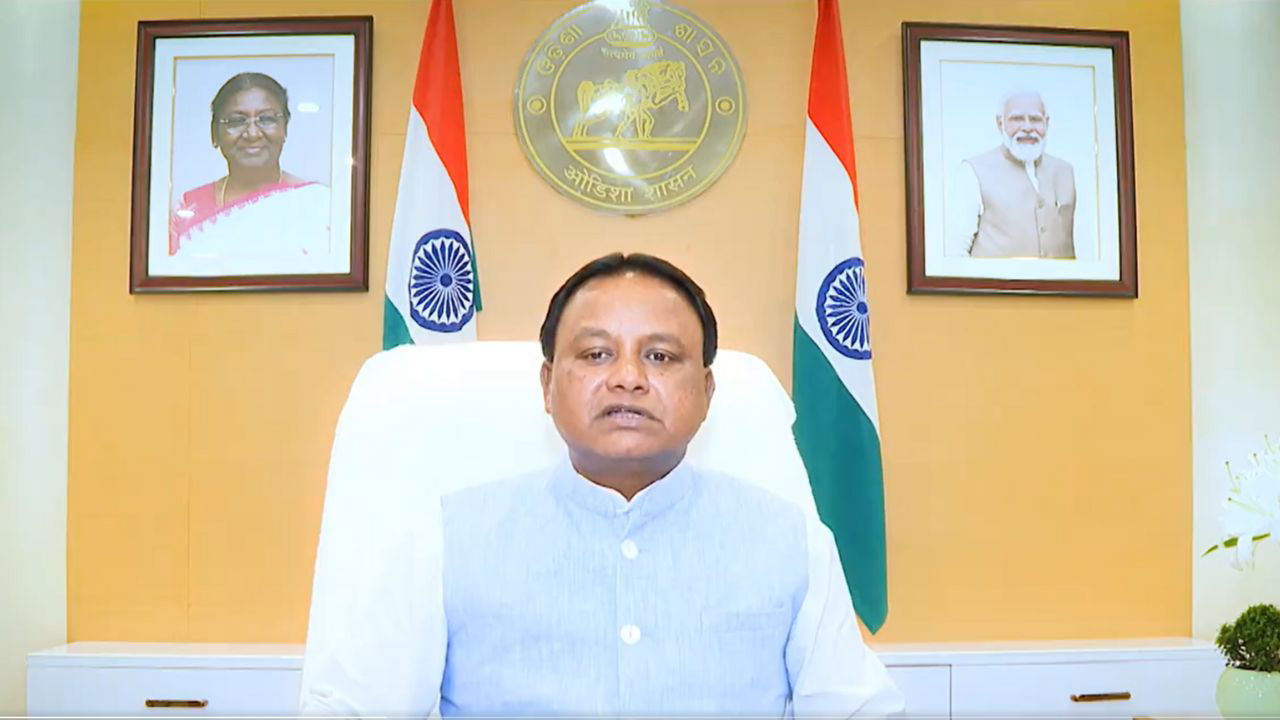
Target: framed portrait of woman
1019, 160
251, 155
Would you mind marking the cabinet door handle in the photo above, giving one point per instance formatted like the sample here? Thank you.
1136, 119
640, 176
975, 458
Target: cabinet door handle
1100, 697
177, 703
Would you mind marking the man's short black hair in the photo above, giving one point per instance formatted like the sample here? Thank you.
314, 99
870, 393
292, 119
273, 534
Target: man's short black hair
617, 264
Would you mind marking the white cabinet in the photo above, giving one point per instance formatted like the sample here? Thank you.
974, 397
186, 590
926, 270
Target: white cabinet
1170, 677
926, 689
1097, 689
164, 679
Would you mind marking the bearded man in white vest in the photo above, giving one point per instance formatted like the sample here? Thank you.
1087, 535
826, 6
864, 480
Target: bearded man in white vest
1014, 200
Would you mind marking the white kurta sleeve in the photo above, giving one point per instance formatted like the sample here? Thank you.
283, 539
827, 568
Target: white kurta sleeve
832, 672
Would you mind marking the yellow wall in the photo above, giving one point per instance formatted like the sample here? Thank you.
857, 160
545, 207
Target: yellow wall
1037, 456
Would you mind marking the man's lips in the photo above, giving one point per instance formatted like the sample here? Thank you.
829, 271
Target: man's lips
626, 412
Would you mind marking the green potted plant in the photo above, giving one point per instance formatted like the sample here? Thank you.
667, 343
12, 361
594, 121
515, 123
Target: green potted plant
1250, 686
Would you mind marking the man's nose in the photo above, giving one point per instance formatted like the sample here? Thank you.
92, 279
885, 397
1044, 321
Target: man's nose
628, 374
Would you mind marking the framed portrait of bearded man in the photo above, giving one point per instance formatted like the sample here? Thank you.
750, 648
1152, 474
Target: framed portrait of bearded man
1019, 161
250, 155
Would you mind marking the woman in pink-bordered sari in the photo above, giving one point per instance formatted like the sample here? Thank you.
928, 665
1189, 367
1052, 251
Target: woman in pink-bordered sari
256, 209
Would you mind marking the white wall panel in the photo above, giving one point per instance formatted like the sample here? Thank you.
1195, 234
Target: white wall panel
1231, 51
39, 42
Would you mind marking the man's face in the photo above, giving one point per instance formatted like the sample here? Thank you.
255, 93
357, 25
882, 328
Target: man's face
1023, 126
627, 387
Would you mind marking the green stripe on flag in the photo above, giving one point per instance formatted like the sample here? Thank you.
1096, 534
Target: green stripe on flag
475, 276
394, 331
841, 451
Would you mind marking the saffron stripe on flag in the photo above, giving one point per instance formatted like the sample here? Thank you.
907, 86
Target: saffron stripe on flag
829, 89
437, 96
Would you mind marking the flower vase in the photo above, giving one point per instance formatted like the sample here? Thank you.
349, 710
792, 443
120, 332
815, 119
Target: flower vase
1248, 694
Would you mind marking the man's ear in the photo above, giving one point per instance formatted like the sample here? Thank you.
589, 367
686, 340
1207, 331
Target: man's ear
544, 375
710, 380
1000, 123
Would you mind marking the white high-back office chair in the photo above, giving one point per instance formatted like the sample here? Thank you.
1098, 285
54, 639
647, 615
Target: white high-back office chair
423, 421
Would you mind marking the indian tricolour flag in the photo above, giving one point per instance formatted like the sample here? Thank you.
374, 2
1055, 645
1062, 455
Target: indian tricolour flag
837, 427
433, 291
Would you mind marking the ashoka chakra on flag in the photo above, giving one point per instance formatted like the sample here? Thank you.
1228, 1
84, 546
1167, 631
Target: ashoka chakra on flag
441, 282
842, 310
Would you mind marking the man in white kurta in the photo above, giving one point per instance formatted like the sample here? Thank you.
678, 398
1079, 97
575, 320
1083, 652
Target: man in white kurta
624, 581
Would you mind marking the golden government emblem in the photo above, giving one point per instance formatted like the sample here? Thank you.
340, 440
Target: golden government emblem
630, 106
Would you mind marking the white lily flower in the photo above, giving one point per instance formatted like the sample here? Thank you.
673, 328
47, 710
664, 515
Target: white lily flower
1251, 510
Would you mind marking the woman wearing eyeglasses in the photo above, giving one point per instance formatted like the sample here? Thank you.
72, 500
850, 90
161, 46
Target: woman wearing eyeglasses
256, 208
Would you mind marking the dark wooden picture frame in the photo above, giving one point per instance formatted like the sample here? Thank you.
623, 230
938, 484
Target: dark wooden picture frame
972, 216
207, 103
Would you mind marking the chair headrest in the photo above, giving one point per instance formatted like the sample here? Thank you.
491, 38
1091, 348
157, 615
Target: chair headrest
450, 416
